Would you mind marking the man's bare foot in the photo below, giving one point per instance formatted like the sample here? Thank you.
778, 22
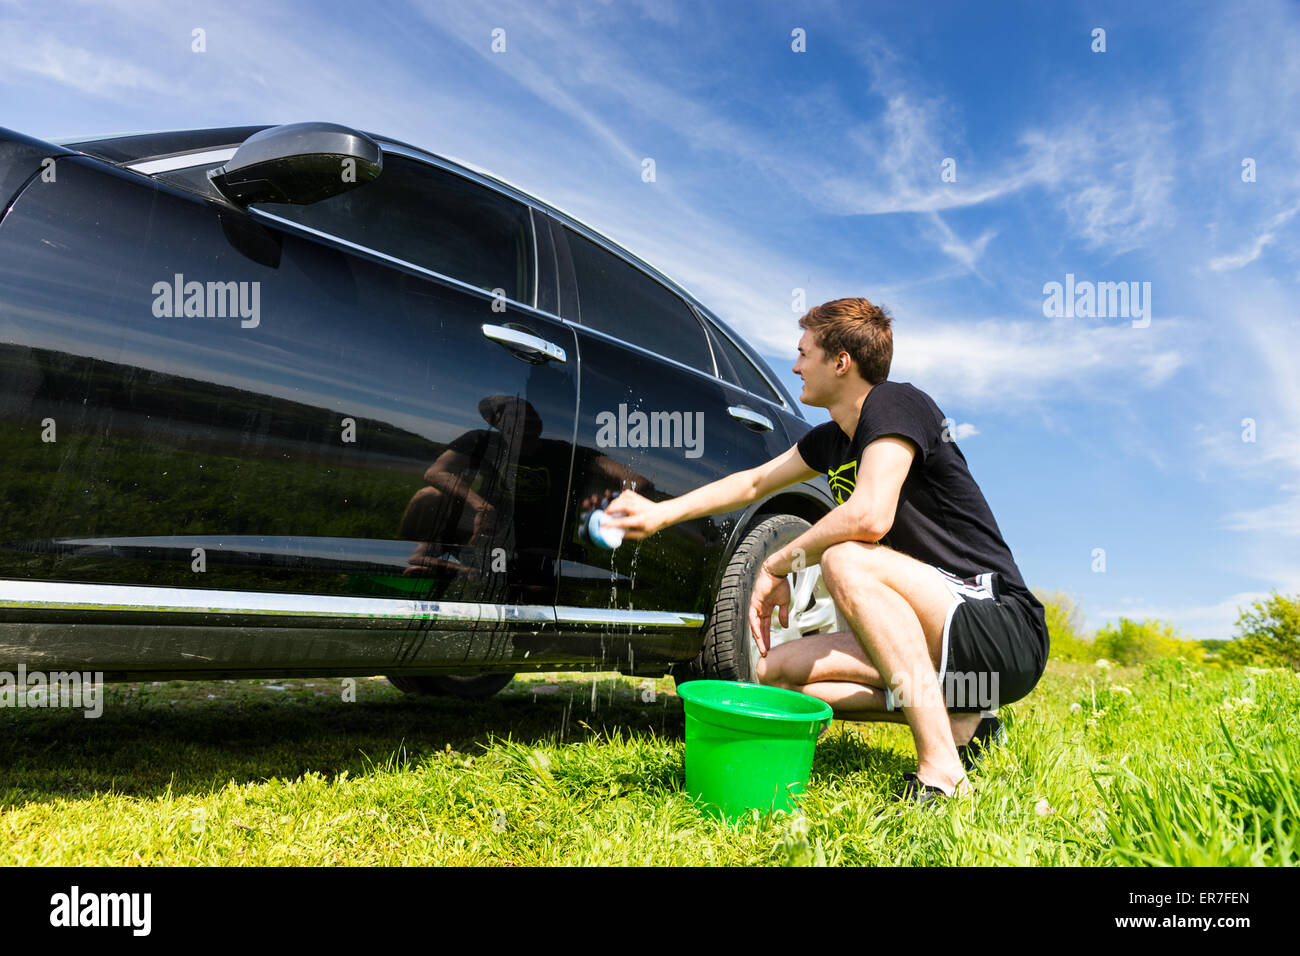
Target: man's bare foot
954, 788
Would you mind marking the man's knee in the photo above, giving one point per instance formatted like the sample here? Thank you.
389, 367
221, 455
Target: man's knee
769, 672
850, 564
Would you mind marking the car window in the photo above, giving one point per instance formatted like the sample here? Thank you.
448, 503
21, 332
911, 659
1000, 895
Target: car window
616, 297
736, 368
432, 218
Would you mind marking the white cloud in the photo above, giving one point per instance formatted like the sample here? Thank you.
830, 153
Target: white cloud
1245, 257
1111, 170
1160, 366
1282, 517
966, 253
1006, 363
1258, 244
86, 71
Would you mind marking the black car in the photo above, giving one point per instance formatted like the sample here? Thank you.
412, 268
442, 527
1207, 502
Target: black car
301, 400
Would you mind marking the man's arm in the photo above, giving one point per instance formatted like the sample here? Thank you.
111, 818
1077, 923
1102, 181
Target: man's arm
447, 475
642, 517
866, 516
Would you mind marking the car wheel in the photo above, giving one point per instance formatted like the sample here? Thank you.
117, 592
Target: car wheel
729, 651
467, 686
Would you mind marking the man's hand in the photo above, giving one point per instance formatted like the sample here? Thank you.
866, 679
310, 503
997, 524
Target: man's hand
769, 592
639, 517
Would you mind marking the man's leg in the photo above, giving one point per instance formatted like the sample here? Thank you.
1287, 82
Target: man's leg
897, 607
834, 668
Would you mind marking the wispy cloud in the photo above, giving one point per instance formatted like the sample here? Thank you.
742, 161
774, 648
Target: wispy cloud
966, 253
1010, 363
86, 71
1282, 517
1265, 238
1111, 171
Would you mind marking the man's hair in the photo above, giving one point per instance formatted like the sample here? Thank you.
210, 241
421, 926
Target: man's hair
857, 327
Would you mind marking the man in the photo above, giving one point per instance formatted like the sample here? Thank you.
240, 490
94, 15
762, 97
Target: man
911, 556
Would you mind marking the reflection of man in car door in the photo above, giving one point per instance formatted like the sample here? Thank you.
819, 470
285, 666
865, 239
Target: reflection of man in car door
475, 486
911, 556
498, 487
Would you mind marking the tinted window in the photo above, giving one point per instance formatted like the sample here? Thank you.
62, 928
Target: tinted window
616, 297
737, 369
434, 219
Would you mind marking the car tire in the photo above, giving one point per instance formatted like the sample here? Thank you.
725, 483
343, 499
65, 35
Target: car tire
729, 652
465, 686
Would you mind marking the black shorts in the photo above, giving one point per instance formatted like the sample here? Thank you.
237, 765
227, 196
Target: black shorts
994, 644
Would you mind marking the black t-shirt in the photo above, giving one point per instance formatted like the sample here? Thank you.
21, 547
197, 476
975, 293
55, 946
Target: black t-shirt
942, 518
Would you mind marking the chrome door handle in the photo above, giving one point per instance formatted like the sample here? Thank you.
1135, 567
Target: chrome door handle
523, 340
750, 417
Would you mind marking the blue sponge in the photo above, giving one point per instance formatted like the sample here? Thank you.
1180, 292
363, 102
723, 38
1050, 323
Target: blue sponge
607, 538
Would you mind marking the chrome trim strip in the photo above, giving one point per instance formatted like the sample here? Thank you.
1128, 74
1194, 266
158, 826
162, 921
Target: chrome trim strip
56, 595
598, 615
537, 268
534, 343
749, 415
205, 158
69, 596
708, 339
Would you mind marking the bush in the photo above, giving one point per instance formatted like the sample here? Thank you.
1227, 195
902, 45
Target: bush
1268, 633
1213, 651
1065, 628
1238, 653
1135, 642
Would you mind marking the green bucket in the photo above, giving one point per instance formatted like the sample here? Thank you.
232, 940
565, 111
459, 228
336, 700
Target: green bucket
749, 746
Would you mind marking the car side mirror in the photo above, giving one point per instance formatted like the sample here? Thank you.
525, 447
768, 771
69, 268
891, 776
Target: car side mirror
298, 163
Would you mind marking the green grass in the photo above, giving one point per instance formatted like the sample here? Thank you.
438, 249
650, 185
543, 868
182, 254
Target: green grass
1174, 763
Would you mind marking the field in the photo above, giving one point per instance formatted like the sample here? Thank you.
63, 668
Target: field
1171, 763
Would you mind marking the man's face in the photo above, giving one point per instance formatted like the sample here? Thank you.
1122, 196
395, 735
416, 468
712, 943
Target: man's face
817, 370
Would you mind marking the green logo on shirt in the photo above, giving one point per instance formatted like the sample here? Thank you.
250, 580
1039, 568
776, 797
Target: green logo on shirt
843, 480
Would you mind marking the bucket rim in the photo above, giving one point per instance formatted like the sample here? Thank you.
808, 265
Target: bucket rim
686, 693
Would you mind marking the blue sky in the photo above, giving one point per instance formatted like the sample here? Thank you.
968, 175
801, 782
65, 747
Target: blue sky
821, 170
